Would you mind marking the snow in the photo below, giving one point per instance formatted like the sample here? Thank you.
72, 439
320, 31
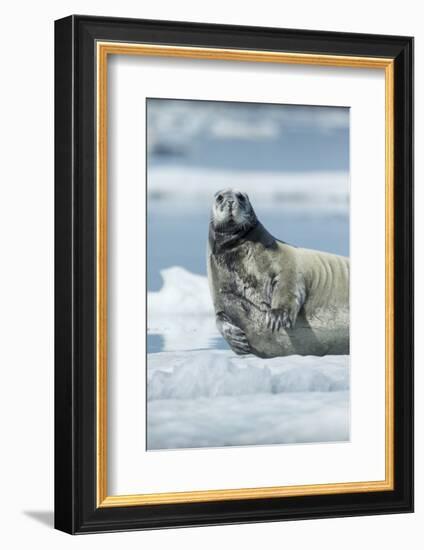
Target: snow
264, 420
181, 291
214, 373
192, 322
214, 399
202, 396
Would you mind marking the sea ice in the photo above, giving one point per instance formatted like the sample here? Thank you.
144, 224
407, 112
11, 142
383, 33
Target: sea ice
316, 191
199, 396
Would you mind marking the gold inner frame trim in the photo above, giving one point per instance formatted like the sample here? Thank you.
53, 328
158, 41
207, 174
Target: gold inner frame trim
103, 50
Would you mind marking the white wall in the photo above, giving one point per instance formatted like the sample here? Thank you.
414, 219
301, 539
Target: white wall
26, 272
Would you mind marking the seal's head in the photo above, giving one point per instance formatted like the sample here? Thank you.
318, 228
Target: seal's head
232, 212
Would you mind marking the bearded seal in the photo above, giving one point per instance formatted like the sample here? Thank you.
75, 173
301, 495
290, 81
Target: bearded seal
272, 299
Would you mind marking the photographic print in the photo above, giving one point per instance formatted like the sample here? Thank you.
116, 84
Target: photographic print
213, 364
247, 274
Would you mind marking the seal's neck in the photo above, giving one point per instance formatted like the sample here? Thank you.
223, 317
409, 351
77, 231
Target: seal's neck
220, 242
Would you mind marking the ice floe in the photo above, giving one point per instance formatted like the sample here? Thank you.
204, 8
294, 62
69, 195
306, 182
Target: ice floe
313, 190
200, 396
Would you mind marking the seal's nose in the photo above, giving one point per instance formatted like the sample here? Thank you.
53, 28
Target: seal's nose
230, 203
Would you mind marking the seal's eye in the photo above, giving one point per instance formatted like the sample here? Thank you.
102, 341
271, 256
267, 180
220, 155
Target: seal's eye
219, 198
241, 197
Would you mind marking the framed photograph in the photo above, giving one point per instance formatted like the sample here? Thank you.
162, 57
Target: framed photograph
234, 274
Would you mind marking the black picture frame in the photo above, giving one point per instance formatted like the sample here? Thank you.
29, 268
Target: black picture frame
76, 508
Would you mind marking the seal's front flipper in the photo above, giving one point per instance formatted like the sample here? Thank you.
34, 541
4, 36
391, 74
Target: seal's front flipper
232, 334
279, 318
285, 299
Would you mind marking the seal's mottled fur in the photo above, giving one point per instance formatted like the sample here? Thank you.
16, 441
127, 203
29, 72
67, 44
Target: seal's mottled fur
272, 299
